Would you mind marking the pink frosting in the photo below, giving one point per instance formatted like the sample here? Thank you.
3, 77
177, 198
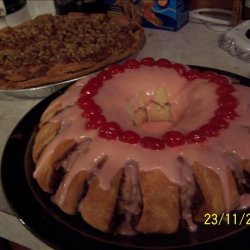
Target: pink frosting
192, 103
188, 101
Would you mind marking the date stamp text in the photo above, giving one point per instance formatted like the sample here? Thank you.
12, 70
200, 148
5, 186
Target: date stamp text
227, 218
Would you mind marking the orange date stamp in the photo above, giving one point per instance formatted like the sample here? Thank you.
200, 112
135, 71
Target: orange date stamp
227, 218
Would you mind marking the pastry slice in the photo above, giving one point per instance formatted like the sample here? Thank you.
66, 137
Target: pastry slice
53, 109
50, 170
160, 212
130, 200
246, 165
213, 193
44, 136
98, 206
68, 196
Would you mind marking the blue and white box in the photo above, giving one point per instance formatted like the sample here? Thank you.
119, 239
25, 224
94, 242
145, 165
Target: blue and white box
159, 14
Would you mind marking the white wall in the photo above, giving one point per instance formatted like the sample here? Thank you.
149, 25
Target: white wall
37, 7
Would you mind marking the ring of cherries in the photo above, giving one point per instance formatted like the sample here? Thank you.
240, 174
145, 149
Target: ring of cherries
111, 130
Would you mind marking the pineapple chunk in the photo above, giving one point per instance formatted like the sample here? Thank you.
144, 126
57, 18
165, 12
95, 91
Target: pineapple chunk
158, 109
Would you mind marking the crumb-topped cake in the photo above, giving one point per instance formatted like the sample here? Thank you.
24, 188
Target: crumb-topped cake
50, 49
146, 146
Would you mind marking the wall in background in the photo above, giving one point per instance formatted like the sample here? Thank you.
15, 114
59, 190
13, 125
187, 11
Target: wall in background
36, 7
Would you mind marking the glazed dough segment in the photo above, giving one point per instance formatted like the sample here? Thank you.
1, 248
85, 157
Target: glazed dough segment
160, 212
51, 111
212, 191
44, 136
246, 165
130, 198
46, 174
75, 190
98, 206
73, 187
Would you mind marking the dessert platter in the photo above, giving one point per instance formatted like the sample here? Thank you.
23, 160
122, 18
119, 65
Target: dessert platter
142, 155
48, 52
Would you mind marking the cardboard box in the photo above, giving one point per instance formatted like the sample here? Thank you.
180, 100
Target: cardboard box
159, 14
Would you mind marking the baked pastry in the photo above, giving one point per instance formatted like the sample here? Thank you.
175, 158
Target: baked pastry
146, 146
50, 49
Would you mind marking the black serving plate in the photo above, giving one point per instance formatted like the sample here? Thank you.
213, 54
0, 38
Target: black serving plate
35, 210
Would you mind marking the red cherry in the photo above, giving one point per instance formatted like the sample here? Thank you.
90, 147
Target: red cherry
209, 130
95, 82
225, 89
91, 110
226, 113
104, 75
162, 62
152, 143
149, 61
180, 69
115, 69
89, 90
95, 121
192, 74
131, 64
228, 101
208, 74
195, 137
129, 137
84, 101
110, 130
218, 80
219, 122
174, 138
